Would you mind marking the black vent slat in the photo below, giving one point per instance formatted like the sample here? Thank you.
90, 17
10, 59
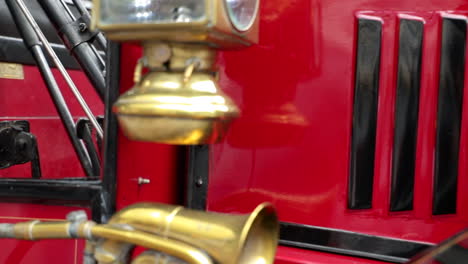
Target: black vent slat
365, 114
406, 114
452, 70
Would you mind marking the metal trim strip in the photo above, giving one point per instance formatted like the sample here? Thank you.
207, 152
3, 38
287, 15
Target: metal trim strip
349, 243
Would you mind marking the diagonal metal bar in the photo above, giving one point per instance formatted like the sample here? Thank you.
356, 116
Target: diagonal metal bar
62, 70
33, 44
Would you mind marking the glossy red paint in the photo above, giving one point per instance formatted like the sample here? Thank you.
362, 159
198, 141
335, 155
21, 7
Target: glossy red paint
291, 144
40, 252
156, 162
29, 99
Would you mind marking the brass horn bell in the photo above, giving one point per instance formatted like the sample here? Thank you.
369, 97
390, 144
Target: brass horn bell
227, 239
180, 105
172, 234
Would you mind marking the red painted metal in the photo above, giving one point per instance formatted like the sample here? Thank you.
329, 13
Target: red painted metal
303, 67
29, 99
156, 162
47, 251
291, 144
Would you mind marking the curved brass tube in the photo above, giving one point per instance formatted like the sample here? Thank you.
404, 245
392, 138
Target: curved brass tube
174, 248
188, 235
229, 239
152, 257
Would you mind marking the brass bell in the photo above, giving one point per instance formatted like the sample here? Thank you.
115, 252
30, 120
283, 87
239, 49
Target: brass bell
182, 105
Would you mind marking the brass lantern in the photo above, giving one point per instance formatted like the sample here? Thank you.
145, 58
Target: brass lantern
179, 100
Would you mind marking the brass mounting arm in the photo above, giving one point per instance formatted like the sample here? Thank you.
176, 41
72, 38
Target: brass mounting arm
188, 235
37, 230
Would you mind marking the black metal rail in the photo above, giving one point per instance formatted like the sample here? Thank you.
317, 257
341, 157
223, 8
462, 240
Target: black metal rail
98, 194
34, 45
109, 171
76, 35
349, 243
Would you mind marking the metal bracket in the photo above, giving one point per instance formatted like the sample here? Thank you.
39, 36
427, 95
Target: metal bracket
84, 131
78, 32
197, 176
18, 146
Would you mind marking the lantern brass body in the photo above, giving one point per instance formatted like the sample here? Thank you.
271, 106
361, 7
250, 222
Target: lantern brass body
167, 105
188, 235
180, 105
215, 28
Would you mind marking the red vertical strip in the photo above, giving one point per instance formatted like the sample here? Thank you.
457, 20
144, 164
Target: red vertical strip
385, 119
154, 162
424, 170
462, 197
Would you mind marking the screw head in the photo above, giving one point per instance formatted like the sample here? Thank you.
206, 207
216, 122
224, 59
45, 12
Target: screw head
142, 181
82, 27
199, 183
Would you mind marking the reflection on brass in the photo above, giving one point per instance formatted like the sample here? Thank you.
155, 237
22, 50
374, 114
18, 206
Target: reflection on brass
151, 257
185, 53
11, 71
178, 105
186, 235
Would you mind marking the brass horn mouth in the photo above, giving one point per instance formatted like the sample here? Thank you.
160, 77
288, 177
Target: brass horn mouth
259, 237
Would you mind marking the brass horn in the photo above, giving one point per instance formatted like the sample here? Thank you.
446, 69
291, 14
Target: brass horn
188, 235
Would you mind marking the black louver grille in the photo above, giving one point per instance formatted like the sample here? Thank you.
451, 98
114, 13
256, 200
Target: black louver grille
406, 107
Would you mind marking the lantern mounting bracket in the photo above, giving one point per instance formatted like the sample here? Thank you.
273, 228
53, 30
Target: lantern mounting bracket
18, 146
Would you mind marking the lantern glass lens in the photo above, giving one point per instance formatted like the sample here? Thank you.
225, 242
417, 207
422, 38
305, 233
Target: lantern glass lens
242, 12
151, 11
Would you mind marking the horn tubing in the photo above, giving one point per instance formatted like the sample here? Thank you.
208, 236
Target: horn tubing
174, 248
36, 230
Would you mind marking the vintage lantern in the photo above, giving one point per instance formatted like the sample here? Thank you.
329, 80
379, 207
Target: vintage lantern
179, 100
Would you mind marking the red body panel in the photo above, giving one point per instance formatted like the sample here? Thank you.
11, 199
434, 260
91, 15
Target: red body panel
29, 99
155, 162
47, 251
291, 144
305, 63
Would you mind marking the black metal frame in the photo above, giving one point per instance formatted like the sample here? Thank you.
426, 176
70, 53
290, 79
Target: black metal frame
14, 50
349, 243
77, 37
197, 176
19, 146
97, 194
